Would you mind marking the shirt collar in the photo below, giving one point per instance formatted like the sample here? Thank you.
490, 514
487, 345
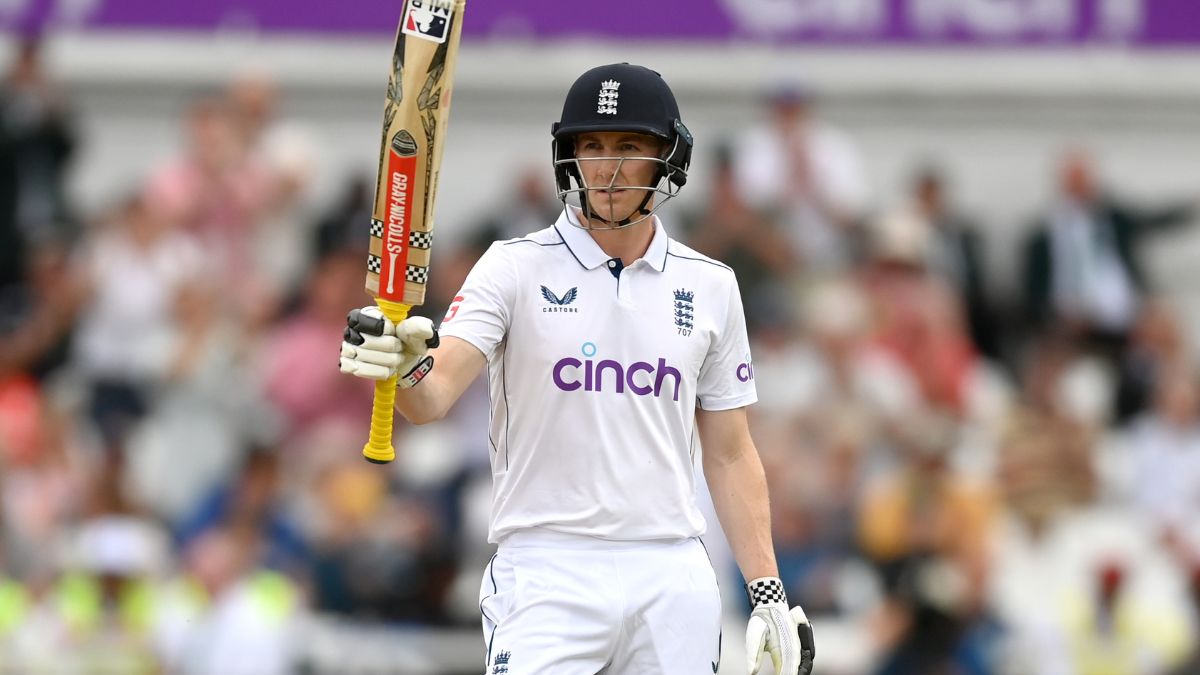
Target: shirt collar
590, 255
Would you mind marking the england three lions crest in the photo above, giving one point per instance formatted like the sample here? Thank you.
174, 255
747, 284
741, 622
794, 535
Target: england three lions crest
606, 103
684, 311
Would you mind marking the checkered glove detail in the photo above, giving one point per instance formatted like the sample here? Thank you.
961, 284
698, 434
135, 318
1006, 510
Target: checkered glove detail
783, 634
766, 590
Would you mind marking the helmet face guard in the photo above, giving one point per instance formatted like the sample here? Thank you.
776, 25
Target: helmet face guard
620, 97
573, 189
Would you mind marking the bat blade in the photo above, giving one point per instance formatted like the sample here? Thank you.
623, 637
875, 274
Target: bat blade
415, 118
416, 114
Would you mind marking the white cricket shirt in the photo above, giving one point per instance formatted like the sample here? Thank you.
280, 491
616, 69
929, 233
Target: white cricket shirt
595, 373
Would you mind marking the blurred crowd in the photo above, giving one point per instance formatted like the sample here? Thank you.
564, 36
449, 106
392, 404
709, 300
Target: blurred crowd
977, 482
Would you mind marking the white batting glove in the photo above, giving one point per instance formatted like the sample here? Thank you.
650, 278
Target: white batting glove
774, 629
376, 349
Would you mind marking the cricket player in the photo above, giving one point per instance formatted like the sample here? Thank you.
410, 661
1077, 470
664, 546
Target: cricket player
614, 354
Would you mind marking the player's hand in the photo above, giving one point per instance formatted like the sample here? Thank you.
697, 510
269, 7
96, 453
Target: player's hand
774, 629
375, 348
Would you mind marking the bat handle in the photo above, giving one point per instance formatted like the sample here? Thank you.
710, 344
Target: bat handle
378, 449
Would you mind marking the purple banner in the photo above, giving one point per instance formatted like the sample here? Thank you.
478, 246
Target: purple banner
1138, 23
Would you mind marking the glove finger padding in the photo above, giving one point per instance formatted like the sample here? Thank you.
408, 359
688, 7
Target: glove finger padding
418, 334
779, 639
756, 643
385, 344
381, 351
368, 371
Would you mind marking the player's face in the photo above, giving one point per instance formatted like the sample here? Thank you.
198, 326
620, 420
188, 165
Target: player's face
615, 161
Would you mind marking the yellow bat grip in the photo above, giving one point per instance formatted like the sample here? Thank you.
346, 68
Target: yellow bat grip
378, 449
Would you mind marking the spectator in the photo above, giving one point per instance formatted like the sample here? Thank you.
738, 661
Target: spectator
809, 173
135, 268
1116, 629
727, 228
1059, 378
219, 193
1165, 449
98, 615
294, 378
253, 101
239, 621
844, 372
928, 531
818, 479
954, 256
341, 229
37, 142
1083, 272
40, 488
12, 240
919, 319
37, 317
284, 153
253, 504
1157, 345
206, 410
1045, 467
377, 554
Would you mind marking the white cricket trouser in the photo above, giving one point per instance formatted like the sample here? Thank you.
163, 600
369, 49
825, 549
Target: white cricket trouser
556, 604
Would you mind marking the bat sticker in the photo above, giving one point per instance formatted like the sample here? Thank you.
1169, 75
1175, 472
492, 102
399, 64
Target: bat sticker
428, 19
402, 169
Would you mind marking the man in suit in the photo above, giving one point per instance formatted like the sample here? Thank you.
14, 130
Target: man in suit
1082, 273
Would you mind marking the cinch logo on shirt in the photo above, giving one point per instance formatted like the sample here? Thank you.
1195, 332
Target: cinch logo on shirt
640, 377
745, 370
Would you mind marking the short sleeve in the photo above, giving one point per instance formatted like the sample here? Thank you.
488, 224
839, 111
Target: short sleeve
480, 311
727, 374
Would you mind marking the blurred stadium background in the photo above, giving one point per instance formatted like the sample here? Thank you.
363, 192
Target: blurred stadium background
965, 231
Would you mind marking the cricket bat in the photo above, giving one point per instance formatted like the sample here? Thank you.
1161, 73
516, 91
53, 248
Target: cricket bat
415, 115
